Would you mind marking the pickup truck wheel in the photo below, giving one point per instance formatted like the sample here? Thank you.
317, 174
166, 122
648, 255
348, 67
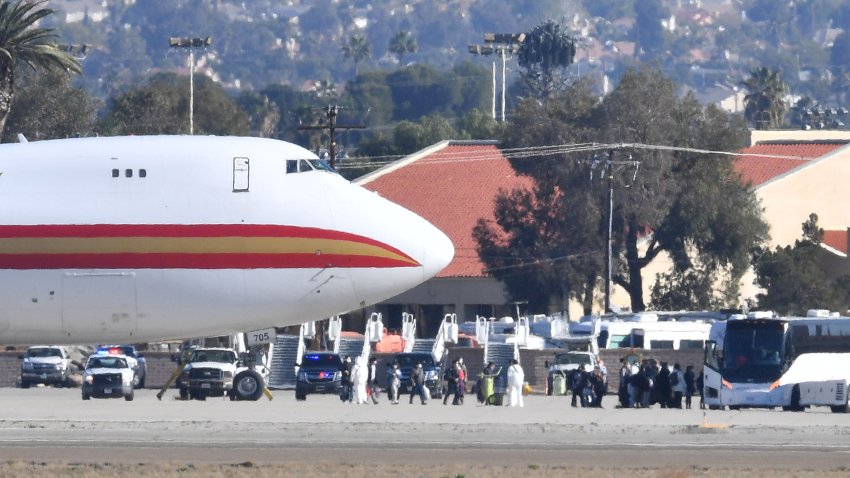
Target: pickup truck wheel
248, 385
300, 396
184, 394
25, 384
129, 397
86, 396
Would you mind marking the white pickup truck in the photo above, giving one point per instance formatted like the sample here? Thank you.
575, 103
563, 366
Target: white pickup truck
215, 372
564, 364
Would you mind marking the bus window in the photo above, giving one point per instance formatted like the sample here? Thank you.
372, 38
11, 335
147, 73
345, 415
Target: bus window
620, 341
691, 344
711, 355
661, 344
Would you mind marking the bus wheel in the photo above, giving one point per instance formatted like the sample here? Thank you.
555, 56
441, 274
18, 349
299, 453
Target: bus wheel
795, 401
840, 408
716, 407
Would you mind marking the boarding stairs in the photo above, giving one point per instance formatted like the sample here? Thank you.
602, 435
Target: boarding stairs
500, 354
286, 354
283, 362
408, 331
355, 348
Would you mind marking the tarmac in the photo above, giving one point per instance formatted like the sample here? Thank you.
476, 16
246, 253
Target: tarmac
55, 425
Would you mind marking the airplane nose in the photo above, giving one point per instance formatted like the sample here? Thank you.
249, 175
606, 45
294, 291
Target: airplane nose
438, 251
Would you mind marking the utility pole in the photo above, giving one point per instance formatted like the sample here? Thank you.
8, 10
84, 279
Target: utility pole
610, 172
608, 166
331, 113
190, 43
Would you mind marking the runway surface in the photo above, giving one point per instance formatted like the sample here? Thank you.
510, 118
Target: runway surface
55, 425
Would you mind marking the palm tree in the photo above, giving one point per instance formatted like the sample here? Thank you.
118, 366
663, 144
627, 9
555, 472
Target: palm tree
401, 44
23, 43
358, 49
765, 100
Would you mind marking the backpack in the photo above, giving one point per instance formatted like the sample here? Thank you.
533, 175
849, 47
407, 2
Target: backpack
674, 378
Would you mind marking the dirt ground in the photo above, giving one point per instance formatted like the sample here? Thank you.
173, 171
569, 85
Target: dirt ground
358, 470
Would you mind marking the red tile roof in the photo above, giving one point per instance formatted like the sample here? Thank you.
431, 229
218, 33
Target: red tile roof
452, 188
757, 170
836, 240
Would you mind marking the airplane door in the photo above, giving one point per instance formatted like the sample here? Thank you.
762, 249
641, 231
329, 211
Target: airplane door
241, 176
99, 303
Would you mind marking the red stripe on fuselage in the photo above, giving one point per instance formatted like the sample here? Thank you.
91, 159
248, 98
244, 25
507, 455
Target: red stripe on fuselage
193, 261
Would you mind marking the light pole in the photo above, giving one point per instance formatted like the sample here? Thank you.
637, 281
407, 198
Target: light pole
504, 44
190, 43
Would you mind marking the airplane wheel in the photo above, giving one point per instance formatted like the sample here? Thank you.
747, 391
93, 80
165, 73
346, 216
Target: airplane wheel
248, 385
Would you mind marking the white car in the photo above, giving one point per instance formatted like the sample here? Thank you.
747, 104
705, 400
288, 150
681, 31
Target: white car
46, 364
108, 375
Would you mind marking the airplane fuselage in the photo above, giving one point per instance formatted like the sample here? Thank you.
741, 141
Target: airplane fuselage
153, 238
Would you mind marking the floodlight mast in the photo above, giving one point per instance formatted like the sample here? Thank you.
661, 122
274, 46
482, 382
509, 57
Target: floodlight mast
190, 43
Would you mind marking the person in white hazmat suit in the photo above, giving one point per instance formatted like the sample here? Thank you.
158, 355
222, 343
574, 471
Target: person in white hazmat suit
359, 375
516, 378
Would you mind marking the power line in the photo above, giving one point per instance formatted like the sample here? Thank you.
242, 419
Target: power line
551, 150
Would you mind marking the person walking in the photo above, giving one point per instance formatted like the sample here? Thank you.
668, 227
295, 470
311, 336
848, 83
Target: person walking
516, 378
395, 383
359, 378
662, 386
689, 385
417, 384
346, 395
452, 376
623, 389
677, 384
372, 380
464, 376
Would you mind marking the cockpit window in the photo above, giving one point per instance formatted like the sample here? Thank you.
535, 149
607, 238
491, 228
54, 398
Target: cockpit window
302, 165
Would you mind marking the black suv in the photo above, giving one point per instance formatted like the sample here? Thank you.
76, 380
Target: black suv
433, 371
319, 372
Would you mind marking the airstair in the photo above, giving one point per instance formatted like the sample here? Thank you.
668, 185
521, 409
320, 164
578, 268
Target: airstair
356, 347
500, 354
287, 351
437, 346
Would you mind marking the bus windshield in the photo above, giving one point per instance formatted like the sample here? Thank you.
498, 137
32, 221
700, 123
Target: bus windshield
753, 351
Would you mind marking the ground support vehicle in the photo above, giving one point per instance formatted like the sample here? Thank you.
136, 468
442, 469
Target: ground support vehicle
48, 365
319, 372
141, 367
791, 363
107, 376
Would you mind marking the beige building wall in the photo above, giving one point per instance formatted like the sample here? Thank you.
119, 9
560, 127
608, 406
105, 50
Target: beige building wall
820, 186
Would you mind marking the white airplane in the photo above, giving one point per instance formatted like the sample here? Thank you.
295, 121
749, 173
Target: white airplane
164, 237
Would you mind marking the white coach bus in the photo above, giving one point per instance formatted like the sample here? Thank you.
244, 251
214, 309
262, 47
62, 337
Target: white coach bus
789, 362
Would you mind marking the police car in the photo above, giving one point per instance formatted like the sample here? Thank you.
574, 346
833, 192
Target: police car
108, 376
